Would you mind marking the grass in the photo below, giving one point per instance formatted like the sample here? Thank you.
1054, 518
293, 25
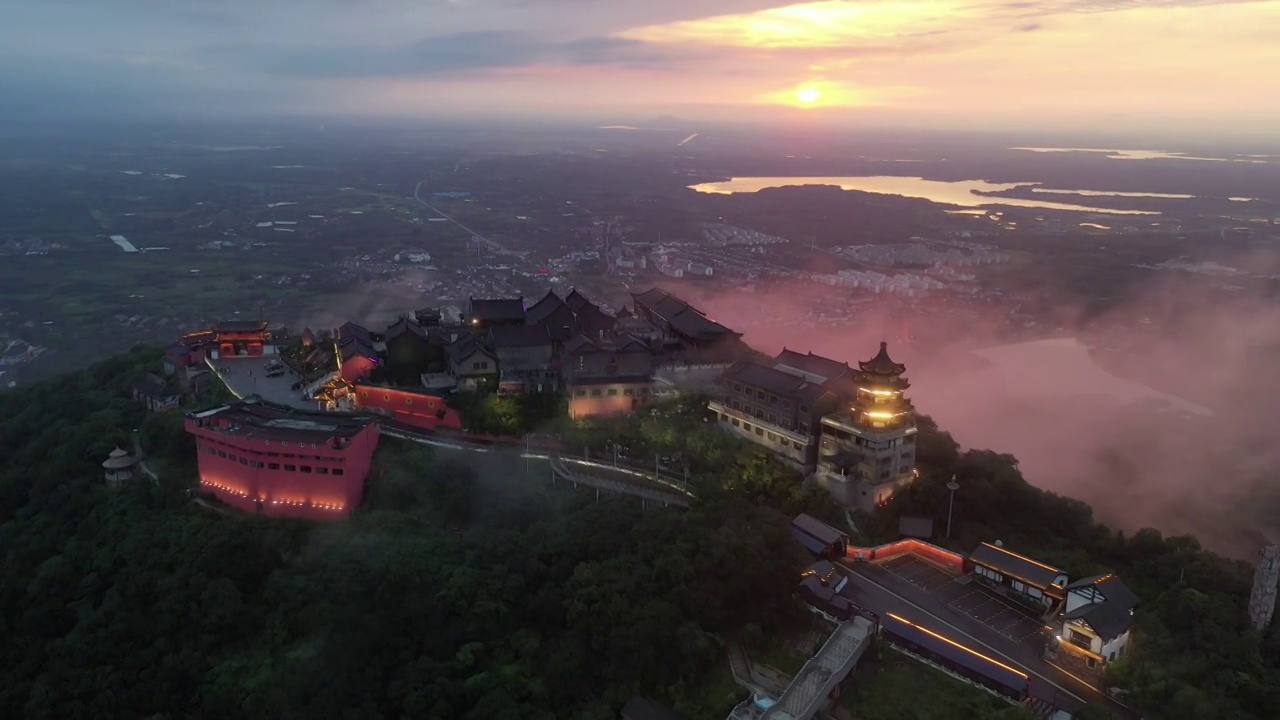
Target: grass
888, 685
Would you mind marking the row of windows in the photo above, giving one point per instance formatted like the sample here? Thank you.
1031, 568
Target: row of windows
386, 397
288, 467
770, 398
760, 432
613, 392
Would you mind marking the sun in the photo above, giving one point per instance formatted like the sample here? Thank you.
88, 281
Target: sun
808, 95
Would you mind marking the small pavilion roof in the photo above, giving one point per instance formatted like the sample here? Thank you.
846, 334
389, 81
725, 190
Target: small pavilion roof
882, 364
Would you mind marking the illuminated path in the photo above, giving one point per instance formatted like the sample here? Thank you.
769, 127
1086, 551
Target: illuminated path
608, 478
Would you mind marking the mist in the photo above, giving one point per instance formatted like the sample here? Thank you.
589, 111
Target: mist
1159, 412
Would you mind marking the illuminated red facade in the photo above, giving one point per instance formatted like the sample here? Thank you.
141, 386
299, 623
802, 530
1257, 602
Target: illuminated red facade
277, 461
410, 408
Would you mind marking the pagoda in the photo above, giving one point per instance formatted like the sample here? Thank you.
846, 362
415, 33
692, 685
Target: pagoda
867, 450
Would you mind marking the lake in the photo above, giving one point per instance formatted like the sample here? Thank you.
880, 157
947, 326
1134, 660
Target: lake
962, 192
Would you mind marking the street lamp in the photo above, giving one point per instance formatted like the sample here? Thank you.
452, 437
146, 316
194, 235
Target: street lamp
953, 486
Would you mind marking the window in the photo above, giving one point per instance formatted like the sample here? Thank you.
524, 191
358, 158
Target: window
613, 392
322, 471
786, 442
884, 475
595, 392
760, 432
579, 393
408, 401
256, 463
735, 422
385, 398
773, 437
244, 461
305, 468
628, 392
760, 395
222, 453
786, 404
339, 471
804, 408
737, 387
773, 418
290, 468
273, 466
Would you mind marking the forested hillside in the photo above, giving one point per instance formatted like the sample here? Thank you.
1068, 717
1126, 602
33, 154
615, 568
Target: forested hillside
452, 596
465, 591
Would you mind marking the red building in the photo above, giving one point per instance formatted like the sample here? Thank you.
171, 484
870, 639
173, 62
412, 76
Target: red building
277, 461
241, 337
408, 407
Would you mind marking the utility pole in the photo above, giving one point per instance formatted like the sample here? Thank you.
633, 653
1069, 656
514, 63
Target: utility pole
526, 454
953, 486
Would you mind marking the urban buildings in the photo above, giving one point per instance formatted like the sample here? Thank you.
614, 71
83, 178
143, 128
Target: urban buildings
277, 461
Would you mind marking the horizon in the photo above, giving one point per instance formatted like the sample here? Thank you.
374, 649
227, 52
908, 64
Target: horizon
1173, 68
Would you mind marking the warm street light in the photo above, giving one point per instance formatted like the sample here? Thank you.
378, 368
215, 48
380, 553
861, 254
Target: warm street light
953, 486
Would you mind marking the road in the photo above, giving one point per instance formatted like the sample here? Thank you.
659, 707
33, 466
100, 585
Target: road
880, 591
493, 246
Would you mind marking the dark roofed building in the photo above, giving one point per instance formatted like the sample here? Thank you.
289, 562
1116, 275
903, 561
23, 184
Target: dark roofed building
351, 332
541, 310
471, 363
573, 315
777, 408
680, 321
1096, 618
154, 394
487, 313
607, 376
525, 357
813, 367
1020, 574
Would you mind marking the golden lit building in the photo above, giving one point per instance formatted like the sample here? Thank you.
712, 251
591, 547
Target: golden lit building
867, 450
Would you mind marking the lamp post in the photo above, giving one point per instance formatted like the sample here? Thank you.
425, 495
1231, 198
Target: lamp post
953, 486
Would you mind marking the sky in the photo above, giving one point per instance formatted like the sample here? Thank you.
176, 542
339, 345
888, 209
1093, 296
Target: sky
1080, 64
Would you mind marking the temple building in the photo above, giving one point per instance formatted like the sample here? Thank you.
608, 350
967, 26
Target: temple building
607, 376
472, 365
278, 461
526, 358
685, 328
573, 315
242, 337
868, 447
781, 405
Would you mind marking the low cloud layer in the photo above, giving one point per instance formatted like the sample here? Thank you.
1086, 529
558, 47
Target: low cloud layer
1139, 460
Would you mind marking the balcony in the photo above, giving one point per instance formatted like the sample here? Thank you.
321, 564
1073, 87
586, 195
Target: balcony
799, 439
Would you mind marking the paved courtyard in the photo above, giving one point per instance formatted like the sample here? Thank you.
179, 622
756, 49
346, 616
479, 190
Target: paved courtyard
248, 376
971, 598
919, 572
999, 615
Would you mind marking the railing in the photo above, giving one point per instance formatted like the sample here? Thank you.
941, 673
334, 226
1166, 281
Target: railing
820, 675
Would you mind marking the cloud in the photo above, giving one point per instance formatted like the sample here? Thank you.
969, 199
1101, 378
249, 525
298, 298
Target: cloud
445, 55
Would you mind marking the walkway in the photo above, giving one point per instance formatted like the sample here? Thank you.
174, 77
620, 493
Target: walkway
647, 487
823, 672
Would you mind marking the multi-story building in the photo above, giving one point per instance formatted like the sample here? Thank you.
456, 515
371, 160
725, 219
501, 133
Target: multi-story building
274, 460
1097, 617
472, 364
781, 406
607, 376
868, 446
525, 358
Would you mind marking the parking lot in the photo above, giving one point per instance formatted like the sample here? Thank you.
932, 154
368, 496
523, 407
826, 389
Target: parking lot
997, 614
248, 376
919, 572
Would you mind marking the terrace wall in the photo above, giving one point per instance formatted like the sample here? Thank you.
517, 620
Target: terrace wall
945, 558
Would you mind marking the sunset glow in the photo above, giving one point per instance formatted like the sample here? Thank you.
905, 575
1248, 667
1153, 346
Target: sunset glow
1041, 64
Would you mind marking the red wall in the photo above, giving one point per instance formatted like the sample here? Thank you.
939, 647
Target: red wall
933, 553
285, 493
411, 408
357, 367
